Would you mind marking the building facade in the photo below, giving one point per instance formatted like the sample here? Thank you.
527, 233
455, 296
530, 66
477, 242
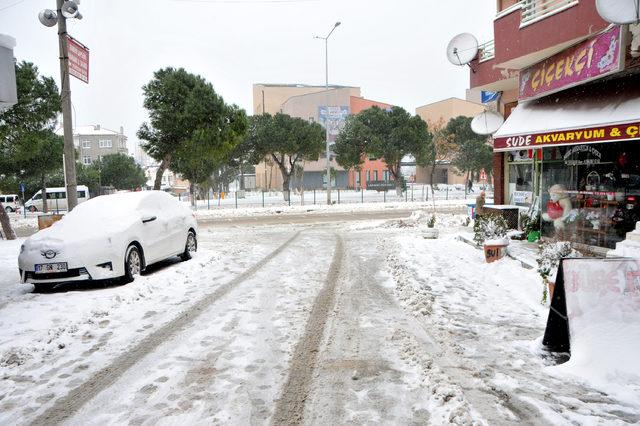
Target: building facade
570, 88
94, 142
438, 114
309, 103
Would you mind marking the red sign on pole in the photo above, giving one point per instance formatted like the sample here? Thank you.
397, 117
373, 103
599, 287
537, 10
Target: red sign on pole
78, 59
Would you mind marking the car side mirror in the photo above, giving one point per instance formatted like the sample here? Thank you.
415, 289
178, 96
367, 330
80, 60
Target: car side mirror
148, 219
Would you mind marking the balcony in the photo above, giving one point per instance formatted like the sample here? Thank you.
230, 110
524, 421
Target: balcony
527, 32
536, 10
487, 51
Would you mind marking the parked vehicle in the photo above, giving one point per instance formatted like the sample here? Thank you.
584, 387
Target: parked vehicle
10, 202
56, 199
110, 236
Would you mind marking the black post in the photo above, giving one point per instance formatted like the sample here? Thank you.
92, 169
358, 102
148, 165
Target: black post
338, 195
384, 196
362, 194
263, 198
314, 197
289, 196
236, 198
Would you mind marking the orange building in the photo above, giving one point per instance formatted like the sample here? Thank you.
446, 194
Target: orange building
371, 169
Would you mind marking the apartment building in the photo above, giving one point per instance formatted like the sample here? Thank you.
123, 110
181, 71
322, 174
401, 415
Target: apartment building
438, 114
94, 142
309, 103
570, 94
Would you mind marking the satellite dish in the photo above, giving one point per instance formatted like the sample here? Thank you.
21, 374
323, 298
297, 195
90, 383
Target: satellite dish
70, 9
462, 49
619, 11
48, 17
486, 123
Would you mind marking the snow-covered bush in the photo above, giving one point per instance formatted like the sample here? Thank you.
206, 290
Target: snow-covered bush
549, 260
489, 227
432, 221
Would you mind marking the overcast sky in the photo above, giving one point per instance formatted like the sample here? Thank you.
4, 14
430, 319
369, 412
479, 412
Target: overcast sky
394, 49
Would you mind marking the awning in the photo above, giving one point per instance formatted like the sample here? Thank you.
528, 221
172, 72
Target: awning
594, 113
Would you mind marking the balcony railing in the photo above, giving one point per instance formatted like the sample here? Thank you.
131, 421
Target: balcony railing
536, 10
486, 51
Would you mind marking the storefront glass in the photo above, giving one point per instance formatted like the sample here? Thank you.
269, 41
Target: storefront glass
520, 185
589, 193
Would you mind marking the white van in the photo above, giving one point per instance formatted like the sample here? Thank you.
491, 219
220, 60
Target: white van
56, 199
9, 202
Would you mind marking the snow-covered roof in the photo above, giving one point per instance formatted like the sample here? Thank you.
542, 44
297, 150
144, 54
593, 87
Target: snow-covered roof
90, 130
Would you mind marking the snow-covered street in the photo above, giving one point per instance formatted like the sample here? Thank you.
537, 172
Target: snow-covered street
329, 322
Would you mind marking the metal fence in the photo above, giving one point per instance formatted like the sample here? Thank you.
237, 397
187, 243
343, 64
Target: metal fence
256, 199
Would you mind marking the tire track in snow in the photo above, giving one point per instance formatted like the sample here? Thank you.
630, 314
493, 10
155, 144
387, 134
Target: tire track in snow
289, 409
65, 407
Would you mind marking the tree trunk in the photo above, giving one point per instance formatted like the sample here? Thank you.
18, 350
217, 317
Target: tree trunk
7, 230
433, 194
192, 191
164, 165
286, 179
398, 177
45, 203
241, 176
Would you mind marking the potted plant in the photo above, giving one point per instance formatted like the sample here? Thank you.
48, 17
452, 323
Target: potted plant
531, 225
431, 232
491, 233
549, 257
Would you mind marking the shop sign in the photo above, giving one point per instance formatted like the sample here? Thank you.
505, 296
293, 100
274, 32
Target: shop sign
617, 133
575, 156
591, 59
78, 59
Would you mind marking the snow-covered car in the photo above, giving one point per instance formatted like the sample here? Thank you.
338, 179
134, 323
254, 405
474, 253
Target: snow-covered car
110, 236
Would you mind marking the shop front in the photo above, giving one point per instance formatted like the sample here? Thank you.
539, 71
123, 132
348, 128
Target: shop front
574, 158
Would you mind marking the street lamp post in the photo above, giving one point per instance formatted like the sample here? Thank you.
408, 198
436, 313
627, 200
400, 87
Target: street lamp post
326, 119
65, 10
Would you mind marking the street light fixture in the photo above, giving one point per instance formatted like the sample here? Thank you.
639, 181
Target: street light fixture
65, 10
326, 119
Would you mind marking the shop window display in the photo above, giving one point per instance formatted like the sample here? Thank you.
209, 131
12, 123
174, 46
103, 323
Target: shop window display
520, 187
590, 193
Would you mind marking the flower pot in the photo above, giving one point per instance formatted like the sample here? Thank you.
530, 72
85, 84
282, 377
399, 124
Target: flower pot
533, 236
430, 233
551, 285
493, 252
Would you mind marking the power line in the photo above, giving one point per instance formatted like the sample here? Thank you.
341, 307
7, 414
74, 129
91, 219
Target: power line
11, 5
245, 1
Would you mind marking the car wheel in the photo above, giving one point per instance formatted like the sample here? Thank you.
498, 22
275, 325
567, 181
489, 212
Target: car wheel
33, 209
132, 263
190, 247
8, 209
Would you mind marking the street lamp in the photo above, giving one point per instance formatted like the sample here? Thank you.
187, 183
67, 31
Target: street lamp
49, 18
326, 119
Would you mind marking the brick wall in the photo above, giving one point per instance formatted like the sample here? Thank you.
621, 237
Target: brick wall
498, 178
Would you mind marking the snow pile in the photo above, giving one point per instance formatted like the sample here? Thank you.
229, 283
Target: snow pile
421, 218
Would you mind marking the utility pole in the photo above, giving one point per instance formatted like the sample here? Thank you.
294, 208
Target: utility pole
326, 118
67, 124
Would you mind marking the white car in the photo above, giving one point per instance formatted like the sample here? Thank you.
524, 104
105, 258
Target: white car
110, 236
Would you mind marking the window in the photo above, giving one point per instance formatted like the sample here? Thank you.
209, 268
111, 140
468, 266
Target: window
105, 143
86, 160
368, 175
375, 175
82, 194
38, 196
86, 144
385, 175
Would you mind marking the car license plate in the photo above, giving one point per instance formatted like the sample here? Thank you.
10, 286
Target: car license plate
49, 268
